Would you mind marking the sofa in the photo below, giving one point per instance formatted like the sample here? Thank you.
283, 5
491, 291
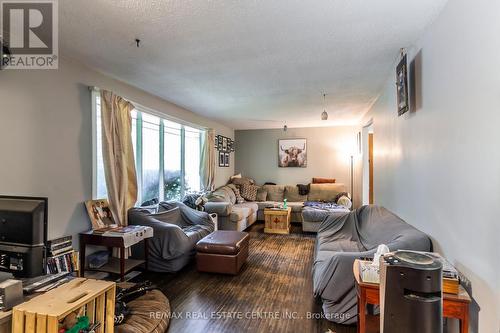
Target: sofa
177, 228
343, 238
239, 216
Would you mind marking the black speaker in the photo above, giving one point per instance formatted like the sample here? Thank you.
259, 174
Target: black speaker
410, 293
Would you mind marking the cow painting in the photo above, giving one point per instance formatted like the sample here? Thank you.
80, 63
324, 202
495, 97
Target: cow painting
292, 153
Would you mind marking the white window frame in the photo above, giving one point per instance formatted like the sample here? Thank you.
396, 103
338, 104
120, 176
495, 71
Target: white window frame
95, 92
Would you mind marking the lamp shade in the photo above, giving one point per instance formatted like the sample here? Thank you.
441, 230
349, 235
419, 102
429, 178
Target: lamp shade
324, 115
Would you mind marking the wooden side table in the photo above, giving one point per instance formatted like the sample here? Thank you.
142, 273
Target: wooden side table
277, 221
454, 306
115, 265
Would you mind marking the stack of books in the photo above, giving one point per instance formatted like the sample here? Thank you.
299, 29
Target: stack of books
61, 257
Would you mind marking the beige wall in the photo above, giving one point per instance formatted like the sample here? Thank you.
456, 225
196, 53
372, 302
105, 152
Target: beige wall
439, 167
328, 154
45, 137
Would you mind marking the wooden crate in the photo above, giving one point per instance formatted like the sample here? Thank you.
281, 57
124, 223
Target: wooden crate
277, 221
42, 314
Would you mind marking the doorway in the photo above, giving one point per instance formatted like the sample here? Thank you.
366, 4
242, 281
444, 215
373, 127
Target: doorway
368, 164
370, 168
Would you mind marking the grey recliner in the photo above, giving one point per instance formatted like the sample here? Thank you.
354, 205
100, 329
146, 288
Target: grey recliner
177, 228
343, 238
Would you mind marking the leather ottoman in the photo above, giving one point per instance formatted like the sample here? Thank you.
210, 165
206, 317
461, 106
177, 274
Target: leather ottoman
222, 251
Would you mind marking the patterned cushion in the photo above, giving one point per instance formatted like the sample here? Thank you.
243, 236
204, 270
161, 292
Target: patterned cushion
249, 192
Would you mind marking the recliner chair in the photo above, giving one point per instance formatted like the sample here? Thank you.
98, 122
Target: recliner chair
177, 228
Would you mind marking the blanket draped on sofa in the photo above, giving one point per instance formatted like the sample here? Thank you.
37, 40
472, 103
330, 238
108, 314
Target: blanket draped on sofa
343, 238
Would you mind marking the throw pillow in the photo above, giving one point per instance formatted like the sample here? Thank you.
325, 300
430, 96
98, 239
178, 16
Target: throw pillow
242, 181
340, 195
344, 201
318, 180
236, 190
261, 194
235, 176
239, 198
249, 192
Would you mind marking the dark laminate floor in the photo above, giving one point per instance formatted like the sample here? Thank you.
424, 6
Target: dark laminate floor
275, 282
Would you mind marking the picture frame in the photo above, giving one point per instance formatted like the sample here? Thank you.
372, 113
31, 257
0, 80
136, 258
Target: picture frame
224, 143
222, 162
292, 153
402, 86
226, 160
100, 214
219, 145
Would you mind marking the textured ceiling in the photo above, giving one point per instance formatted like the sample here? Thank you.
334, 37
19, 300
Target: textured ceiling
252, 63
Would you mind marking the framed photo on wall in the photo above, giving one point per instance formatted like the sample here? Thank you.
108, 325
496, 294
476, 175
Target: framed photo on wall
226, 159
221, 159
292, 153
402, 86
224, 143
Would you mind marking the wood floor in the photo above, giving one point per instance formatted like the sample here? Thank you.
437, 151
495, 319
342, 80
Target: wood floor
275, 286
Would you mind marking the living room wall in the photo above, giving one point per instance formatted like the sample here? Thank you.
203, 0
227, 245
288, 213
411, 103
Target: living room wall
328, 154
438, 167
46, 142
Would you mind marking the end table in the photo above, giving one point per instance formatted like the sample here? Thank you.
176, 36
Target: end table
277, 221
115, 265
454, 306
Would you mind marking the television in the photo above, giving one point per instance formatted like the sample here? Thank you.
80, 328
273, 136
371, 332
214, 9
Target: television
23, 235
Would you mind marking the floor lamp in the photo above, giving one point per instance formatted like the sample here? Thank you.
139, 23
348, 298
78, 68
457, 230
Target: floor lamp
352, 180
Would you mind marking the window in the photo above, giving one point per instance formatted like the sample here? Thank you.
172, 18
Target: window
167, 156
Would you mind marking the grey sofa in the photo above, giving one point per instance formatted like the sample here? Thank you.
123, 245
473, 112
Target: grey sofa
177, 228
239, 216
231, 215
343, 238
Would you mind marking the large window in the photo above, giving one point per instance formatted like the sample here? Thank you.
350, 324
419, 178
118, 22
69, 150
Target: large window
167, 156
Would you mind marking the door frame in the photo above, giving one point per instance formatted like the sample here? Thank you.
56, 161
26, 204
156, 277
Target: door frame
367, 129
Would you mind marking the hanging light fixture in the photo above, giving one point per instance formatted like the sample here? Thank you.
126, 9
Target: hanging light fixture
324, 114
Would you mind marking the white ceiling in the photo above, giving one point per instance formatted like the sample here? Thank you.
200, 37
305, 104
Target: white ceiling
252, 63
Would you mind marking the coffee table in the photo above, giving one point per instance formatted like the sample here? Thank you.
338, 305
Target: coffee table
277, 221
454, 306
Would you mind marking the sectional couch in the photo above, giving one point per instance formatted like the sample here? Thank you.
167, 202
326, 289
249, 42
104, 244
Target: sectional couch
239, 216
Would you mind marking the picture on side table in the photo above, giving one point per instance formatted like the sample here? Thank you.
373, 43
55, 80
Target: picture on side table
292, 153
100, 214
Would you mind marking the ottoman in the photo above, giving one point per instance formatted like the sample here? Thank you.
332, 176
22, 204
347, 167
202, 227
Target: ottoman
223, 251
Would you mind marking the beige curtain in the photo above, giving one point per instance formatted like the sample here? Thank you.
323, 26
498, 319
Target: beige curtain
118, 155
207, 161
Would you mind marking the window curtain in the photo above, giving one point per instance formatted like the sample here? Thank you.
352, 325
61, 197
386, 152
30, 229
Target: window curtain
118, 155
207, 161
